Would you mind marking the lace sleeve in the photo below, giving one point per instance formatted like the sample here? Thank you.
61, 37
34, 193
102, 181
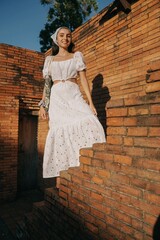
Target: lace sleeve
80, 61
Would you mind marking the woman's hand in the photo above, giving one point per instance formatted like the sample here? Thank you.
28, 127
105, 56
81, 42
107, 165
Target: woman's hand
43, 114
93, 108
85, 86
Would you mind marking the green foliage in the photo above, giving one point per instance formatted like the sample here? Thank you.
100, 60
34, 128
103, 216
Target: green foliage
69, 13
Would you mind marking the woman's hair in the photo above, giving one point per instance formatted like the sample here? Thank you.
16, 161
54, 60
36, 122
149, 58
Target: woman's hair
55, 48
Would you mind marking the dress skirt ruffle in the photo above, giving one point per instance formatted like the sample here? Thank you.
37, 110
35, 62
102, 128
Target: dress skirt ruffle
72, 126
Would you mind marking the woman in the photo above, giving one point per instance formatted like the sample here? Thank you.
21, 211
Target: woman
73, 123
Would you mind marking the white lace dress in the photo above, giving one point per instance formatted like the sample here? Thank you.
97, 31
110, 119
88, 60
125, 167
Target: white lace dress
72, 124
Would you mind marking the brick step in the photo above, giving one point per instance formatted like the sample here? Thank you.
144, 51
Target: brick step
51, 193
47, 213
51, 198
21, 227
37, 205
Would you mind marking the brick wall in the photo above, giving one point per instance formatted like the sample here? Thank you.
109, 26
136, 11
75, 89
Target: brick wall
21, 89
114, 194
120, 49
8, 146
117, 188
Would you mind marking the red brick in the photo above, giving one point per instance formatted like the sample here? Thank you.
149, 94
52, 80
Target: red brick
99, 146
103, 173
147, 229
97, 163
155, 109
151, 175
123, 159
92, 227
97, 213
88, 217
153, 198
154, 132
114, 140
77, 204
115, 121
78, 196
65, 175
130, 191
146, 207
101, 224
84, 191
98, 197
85, 160
147, 142
115, 177
86, 152
88, 169
112, 231
137, 131
119, 112
104, 155
152, 153
137, 224
63, 202
128, 141
115, 103
149, 219
147, 164
64, 188
76, 180
119, 196
116, 131
138, 111
63, 195
134, 151
131, 121
153, 187
97, 180
112, 167
122, 217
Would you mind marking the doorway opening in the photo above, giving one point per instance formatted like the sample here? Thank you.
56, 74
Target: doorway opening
27, 168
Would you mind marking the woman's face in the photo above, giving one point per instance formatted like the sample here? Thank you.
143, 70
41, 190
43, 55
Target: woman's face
64, 38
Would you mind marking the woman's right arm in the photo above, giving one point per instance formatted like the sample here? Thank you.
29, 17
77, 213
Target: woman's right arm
44, 103
42, 112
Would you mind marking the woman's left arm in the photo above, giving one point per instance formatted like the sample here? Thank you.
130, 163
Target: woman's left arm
86, 88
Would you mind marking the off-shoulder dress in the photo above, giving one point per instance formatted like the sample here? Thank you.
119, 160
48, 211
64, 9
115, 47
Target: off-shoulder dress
72, 124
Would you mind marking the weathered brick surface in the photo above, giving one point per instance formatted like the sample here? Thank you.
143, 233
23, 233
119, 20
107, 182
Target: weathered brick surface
114, 194
8, 146
122, 49
21, 89
122, 190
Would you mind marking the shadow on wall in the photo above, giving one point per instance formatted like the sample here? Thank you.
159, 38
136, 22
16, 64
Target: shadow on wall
156, 229
100, 96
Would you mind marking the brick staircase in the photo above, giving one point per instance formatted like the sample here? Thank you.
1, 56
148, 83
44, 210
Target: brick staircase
115, 193
49, 219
